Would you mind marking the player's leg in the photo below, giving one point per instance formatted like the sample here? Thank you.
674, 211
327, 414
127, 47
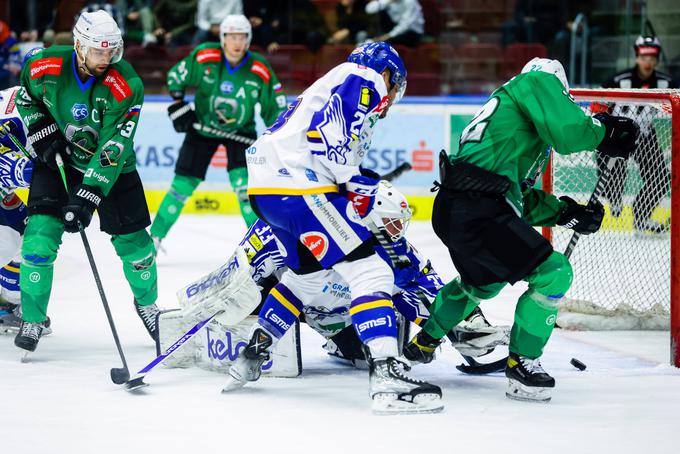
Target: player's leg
124, 215
42, 239
656, 180
192, 164
535, 317
10, 297
238, 178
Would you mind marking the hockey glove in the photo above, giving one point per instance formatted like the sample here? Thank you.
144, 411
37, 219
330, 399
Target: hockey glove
619, 137
182, 116
47, 140
15, 171
361, 192
584, 219
82, 202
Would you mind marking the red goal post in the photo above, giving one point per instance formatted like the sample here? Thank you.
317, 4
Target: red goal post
624, 276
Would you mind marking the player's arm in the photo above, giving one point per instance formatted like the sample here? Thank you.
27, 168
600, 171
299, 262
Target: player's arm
558, 120
272, 98
184, 74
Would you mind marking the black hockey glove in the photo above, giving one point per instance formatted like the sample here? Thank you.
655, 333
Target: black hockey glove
619, 136
182, 115
584, 219
82, 202
47, 140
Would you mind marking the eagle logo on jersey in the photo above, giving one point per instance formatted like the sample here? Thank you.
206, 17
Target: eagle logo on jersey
333, 131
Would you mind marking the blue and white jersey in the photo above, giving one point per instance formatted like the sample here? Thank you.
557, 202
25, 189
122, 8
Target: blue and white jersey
327, 309
321, 139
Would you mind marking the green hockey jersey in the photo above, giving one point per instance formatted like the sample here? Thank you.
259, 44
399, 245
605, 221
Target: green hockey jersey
97, 117
514, 132
226, 97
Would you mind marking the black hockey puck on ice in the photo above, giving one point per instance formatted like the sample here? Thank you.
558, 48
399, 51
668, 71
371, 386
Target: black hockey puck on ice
577, 364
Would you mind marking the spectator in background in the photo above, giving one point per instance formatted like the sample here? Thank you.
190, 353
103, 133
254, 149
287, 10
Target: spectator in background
302, 23
406, 17
175, 21
60, 29
10, 58
138, 21
210, 15
28, 20
265, 18
352, 22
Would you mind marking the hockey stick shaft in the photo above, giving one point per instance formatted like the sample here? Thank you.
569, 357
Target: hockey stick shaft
223, 134
601, 183
396, 173
176, 345
93, 266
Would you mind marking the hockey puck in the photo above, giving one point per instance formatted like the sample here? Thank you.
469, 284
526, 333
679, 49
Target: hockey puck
577, 364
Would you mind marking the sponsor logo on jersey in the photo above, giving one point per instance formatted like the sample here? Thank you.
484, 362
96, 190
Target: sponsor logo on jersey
260, 70
276, 320
382, 321
311, 175
251, 150
79, 111
283, 172
209, 55
255, 241
90, 173
226, 87
43, 66
316, 242
364, 98
119, 87
383, 104
10, 104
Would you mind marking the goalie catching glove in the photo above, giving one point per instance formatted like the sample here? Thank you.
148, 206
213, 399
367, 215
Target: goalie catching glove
584, 219
619, 137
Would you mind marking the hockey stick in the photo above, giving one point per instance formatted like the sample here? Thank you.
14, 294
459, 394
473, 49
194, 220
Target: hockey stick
119, 375
396, 173
138, 380
602, 181
224, 135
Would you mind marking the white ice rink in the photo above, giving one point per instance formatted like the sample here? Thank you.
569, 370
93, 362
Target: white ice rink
63, 401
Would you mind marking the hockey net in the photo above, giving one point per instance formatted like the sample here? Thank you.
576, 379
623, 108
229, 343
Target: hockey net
625, 275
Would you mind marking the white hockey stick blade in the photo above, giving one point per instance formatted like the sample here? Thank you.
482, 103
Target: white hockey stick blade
233, 384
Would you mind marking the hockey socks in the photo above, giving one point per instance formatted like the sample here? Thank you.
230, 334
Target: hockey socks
239, 182
168, 212
373, 317
42, 239
280, 310
139, 266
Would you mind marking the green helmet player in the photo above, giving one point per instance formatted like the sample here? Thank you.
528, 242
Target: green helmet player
487, 206
229, 81
83, 103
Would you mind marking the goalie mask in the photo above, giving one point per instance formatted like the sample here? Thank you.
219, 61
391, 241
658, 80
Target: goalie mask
549, 66
391, 213
97, 36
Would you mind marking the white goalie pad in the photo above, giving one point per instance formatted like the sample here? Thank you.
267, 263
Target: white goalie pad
230, 289
217, 345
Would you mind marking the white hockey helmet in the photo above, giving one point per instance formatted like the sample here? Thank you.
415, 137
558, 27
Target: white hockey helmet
98, 30
390, 213
236, 23
549, 66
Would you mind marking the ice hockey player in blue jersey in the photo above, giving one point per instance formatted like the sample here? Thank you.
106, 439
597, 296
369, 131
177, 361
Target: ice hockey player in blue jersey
306, 182
15, 172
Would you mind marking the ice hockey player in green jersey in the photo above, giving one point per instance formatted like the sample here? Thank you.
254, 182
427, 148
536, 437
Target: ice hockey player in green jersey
83, 103
229, 80
487, 204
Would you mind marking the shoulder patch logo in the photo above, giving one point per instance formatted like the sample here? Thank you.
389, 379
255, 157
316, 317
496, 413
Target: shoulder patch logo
209, 55
43, 66
119, 87
261, 70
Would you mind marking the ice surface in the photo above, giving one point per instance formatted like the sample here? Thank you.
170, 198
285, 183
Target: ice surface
627, 401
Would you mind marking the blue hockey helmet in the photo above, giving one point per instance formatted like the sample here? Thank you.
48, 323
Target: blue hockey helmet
379, 57
30, 53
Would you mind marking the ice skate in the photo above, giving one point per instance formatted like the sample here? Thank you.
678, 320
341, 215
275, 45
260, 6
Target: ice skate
395, 393
475, 336
10, 322
27, 338
248, 365
149, 316
421, 349
528, 381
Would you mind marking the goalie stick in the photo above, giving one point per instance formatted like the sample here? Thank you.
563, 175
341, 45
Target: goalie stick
138, 380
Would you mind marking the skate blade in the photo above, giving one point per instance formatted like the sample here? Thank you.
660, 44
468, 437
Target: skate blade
390, 404
25, 356
517, 391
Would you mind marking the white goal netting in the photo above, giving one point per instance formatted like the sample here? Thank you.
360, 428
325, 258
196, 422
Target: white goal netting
622, 274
